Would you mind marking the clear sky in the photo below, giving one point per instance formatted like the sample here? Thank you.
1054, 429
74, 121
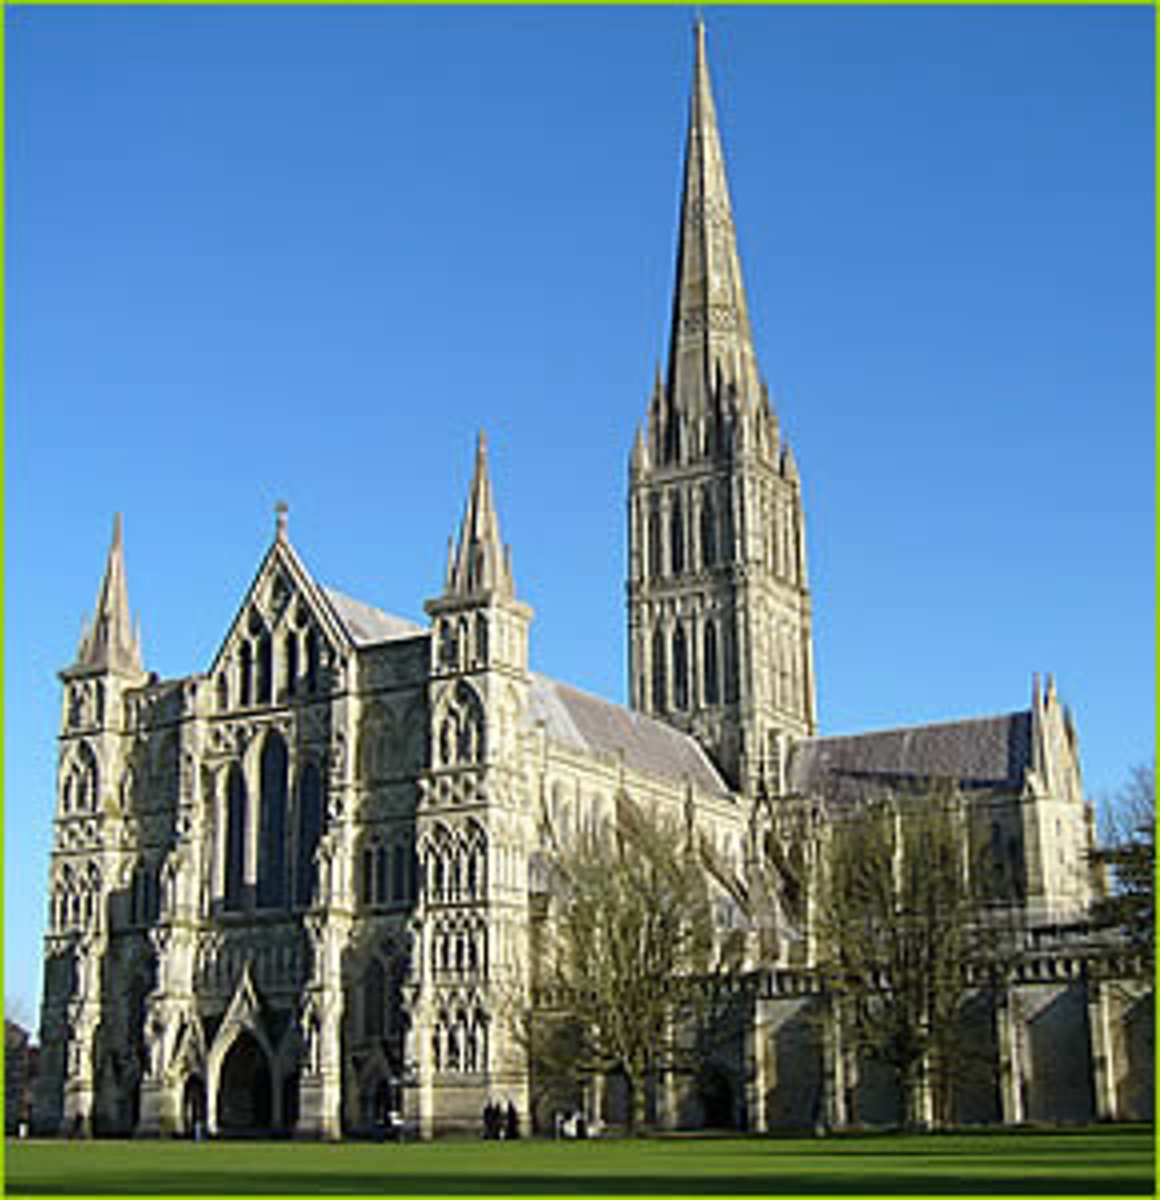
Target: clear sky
308, 252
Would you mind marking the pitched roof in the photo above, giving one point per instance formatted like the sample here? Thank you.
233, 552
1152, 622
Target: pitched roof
588, 723
980, 752
366, 624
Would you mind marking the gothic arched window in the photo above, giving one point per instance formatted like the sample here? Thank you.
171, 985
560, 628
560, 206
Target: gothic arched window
654, 538
712, 685
374, 999
708, 531
680, 668
309, 830
235, 837
660, 700
398, 874
272, 842
265, 669
381, 881
730, 657
291, 661
727, 551
246, 675
461, 730
313, 660
677, 534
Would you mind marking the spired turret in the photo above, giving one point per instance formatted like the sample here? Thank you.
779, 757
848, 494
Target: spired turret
474, 794
86, 870
720, 640
109, 642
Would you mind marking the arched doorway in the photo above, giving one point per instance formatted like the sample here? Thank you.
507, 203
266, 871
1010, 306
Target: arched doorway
193, 1107
244, 1090
715, 1091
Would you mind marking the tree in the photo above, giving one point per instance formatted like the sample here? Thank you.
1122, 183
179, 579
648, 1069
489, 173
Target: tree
633, 965
1129, 855
899, 921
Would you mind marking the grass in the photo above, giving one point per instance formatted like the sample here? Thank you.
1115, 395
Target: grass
1105, 1160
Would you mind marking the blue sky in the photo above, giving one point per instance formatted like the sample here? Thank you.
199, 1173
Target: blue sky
308, 252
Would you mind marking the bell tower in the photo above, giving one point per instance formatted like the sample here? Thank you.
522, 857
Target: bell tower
720, 641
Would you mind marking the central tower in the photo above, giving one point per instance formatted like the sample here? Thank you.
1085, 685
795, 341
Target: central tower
720, 641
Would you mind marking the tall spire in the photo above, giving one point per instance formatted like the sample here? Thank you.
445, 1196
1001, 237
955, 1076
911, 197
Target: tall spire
711, 343
109, 642
480, 563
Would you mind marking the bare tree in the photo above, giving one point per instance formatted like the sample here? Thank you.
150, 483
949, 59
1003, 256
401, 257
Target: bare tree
900, 920
633, 964
1128, 853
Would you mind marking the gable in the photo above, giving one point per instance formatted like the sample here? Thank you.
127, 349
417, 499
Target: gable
285, 624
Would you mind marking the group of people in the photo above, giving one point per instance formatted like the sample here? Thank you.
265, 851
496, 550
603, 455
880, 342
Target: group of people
573, 1125
500, 1122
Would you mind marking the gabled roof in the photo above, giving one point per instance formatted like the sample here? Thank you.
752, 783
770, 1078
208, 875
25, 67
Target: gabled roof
980, 752
587, 723
367, 625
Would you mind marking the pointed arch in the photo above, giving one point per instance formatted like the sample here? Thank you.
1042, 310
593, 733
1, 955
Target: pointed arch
680, 668
654, 538
237, 818
82, 780
313, 660
659, 697
273, 773
676, 536
309, 831
374, 998
290, 661
708, 530
265, 669
246, 675
711, 666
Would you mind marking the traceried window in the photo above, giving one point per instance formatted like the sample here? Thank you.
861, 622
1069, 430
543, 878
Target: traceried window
236, 818
272, 842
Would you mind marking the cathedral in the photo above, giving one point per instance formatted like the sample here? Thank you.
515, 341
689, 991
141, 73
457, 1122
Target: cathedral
296, 889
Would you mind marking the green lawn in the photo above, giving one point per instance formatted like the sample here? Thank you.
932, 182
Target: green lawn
1105, 1160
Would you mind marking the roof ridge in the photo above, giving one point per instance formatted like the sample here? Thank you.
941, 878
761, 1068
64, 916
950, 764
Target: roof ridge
946, 724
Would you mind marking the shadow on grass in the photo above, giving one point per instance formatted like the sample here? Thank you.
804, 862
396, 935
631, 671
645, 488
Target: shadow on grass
795, 1183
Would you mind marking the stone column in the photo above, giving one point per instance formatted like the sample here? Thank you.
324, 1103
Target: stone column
834, 1109
1103, 1050
1010, 1059
756, 1070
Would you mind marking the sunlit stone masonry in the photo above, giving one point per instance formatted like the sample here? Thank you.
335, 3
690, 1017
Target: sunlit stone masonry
296, 890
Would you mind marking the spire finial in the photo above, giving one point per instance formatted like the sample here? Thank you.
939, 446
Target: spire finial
710, 313
479, 564
281, 519
109, 642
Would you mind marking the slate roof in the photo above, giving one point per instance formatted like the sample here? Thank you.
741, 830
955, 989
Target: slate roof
979, 753
368, 625
595, 726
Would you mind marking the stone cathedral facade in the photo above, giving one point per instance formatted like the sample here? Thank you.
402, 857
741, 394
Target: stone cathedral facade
297, 889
